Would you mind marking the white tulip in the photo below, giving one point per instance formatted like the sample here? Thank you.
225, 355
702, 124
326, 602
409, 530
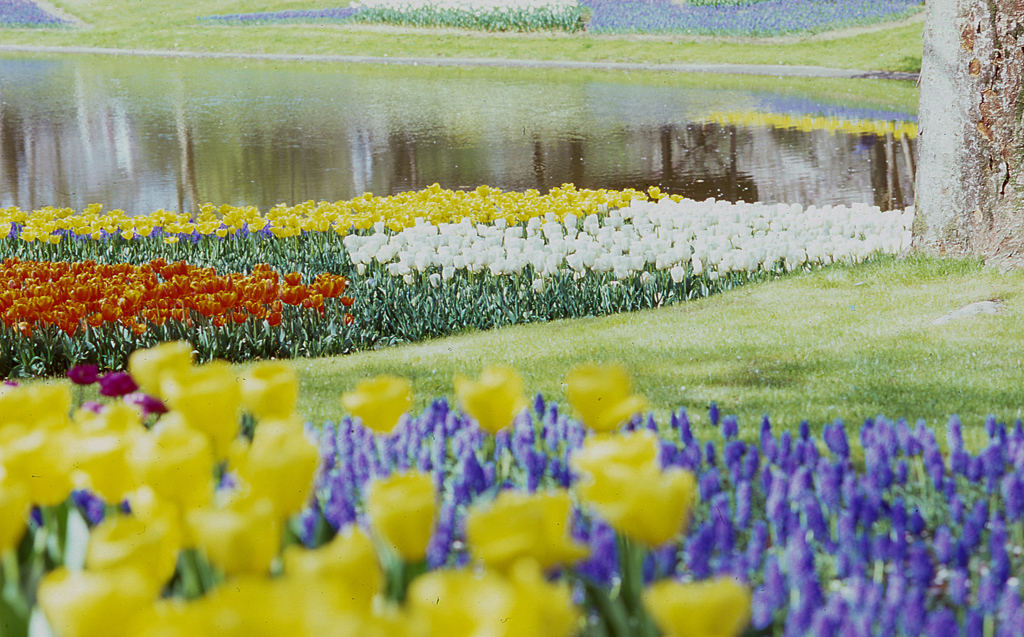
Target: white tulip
435, 280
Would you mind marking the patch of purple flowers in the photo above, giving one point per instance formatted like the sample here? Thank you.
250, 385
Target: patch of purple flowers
770, 17
23, 13
319, 15
857, 533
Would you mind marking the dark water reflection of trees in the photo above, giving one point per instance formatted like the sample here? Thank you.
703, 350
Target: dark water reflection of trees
172, 135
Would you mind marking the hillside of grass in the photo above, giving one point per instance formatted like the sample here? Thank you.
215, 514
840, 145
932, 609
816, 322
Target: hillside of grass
123, 24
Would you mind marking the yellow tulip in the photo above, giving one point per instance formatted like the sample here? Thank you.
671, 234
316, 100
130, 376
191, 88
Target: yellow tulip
169, 618
279, 464
401, 509
14, 509
714, 608
242, 538
518, 525
379, 402
176, 461
209, 398
636, 451
38, 459
628, 488
113, 418
149, 366
93, 604
494, 399
349, 561
270, 390
541, 608
462, 603
38, 406
100, 463
150, 546
602, 394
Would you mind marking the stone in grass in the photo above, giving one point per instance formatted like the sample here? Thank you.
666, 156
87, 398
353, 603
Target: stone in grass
981, 307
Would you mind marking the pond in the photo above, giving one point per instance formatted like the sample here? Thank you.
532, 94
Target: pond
143, 134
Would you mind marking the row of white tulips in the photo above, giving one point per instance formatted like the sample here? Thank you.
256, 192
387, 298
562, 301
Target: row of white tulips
715, 237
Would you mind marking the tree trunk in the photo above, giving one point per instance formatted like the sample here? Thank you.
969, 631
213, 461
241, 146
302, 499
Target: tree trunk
969, 196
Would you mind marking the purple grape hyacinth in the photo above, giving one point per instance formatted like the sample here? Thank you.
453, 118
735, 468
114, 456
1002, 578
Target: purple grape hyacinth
24, 13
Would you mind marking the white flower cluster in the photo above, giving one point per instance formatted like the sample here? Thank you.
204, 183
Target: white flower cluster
713, 236
465, 5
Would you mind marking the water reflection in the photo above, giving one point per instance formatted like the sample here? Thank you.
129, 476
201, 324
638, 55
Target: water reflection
147, 134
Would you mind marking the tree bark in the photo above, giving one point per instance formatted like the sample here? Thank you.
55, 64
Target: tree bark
969, 195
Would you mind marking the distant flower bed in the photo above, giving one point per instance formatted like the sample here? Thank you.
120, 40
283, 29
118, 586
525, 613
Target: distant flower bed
770, 17
811, 122
23, 13
717, 17
414, 266
486, 15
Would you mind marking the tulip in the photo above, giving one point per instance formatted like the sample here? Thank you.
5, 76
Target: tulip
270, 390
541, 608
14, 509
518, 525
348, 562
208, 397
242, 538
621, 479
100, 464
602, 395
170, 618
494, 399
148, 367
93, 604
176, 461
379, 402
83, 374
117, 384
150, 546
463, 603
279, 464
401, 509
716, 608
39, 406
38, 459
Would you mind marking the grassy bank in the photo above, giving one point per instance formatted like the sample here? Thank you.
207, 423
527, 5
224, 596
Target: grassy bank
843, 342
167, 26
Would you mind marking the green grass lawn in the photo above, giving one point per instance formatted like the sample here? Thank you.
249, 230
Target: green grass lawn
128, 24
846, 342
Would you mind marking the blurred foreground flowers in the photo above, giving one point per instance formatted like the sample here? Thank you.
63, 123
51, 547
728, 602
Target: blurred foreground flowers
225, 515
216, 515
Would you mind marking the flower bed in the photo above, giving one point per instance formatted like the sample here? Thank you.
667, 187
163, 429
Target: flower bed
24, 13
417, 265
496, 517
767, 18
714, 17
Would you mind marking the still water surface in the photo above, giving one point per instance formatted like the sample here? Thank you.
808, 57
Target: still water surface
144, 134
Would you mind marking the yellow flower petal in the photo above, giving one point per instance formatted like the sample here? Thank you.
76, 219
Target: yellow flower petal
379, 402
714, 608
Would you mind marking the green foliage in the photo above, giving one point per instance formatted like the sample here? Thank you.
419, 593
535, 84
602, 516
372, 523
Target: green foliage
569, 19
